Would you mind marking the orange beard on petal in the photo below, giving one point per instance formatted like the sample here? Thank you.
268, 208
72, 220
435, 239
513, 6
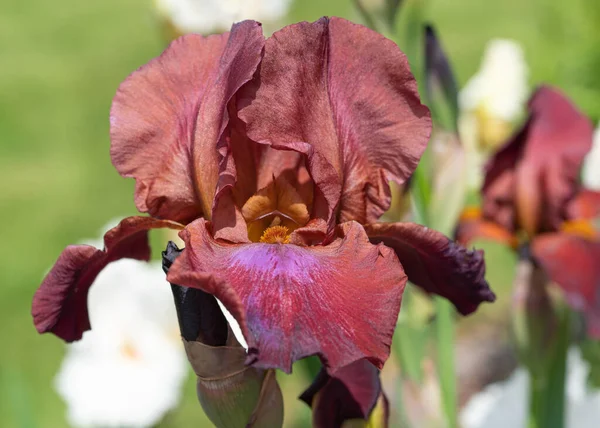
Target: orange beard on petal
275, 211
582, 228
275, 235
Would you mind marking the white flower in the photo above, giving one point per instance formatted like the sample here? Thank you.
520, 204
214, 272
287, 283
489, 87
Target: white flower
500, 85
505, 404
490, 104
590, 174
128, 370
214, 16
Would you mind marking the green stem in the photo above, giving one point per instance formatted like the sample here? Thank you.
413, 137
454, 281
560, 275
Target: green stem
547, 389
444, 328
402, 417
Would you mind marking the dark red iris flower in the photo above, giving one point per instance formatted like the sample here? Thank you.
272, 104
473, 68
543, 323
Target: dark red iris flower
273, 159
532, 195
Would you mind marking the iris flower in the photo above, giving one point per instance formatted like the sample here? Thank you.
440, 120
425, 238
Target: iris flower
532, 196
273, 158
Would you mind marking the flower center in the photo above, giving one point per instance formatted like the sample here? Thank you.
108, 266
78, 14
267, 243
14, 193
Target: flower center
275, 235
274, 212
129, 351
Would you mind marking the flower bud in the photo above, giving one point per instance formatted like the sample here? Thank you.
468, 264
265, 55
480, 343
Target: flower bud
231, 393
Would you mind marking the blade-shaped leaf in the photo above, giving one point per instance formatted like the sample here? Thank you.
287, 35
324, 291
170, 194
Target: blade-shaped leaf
441, 91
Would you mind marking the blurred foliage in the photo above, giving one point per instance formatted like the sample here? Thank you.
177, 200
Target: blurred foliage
61, 64
590, 352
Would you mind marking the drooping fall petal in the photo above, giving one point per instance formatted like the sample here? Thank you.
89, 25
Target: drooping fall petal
437, 264
230, 392
352, 392
546, 156
347, 92
168, 116
572, 263
339, 301
60, 304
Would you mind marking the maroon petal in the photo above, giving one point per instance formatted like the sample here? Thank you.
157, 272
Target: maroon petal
348, 92
545, 158
437, 264
60, 304
572, 263
340, 301
350, 393
584, 206
168, 116
499, 184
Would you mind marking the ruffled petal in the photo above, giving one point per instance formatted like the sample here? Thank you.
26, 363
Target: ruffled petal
348, 92
437, 264
350, 393
60, 304
572, 263
545, 158
168, 116
339, 301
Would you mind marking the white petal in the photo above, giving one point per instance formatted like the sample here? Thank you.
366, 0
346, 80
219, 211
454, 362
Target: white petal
590, 174
500, 85
212, 16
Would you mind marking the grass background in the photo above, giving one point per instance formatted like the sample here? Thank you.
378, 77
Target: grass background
60, 64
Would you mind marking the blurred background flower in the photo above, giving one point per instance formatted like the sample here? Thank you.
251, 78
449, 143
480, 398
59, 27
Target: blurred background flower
590, 174
491, 104
129, 369
216, 16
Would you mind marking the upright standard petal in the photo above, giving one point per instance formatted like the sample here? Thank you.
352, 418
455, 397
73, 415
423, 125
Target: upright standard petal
572, 263
546, 155
350, 393
437, 264
558, 139
168, 116
60, 304
339, 301
348, 92
499, 183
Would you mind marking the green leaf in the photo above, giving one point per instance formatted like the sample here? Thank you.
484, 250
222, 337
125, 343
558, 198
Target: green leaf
590, 352
449, 181
413, 332
441, 91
